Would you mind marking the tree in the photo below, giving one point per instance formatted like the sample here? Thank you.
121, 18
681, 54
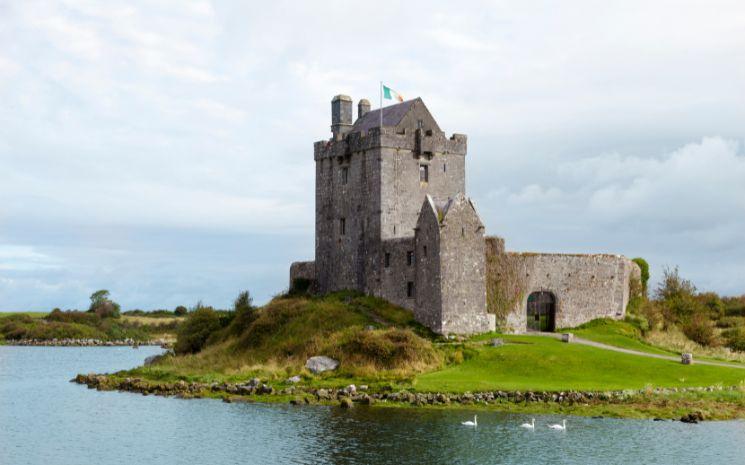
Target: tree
193, 333
180, 311
103, 306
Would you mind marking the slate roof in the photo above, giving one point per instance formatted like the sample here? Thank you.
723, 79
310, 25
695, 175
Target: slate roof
392, 115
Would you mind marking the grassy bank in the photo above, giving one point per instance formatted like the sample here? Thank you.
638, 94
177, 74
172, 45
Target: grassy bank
380, 345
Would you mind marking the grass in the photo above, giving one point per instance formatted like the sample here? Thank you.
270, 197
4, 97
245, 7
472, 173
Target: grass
36, 315
618, 334
151, 321
546, 364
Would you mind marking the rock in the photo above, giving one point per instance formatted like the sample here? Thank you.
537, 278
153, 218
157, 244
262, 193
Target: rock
658, 419
693, 417
363, 387
496, 342
346, 402
321, 363
294, 379
686, 359
567, 337
296, 401
351, 389
254, 382
322, 394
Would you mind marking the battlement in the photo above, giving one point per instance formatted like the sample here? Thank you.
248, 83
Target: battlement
414, 141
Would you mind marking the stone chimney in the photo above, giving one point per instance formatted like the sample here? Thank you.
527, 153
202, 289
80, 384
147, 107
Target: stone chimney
341, 115
363, 107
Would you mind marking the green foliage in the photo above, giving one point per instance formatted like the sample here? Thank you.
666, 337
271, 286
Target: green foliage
72, 316
644, 267
734, 306
180, 311
699, 330
673, 286
731, 322
193, 333
505, 284
102, 305
713, 303
735, 339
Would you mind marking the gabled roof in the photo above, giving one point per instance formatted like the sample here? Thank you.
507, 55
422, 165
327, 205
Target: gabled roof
393, 116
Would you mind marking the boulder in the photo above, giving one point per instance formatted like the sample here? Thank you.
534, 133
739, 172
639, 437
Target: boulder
346, 402
351, 389
686, 359
294, 379
321, 363
496, 342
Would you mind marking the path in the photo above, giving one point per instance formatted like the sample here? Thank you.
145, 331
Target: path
600, 345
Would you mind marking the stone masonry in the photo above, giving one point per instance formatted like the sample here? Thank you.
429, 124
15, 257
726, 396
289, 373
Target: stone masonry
392, 220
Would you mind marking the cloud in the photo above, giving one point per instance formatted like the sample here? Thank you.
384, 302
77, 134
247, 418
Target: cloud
129, 122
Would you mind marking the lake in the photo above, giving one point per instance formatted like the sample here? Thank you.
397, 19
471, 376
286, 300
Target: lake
45, 419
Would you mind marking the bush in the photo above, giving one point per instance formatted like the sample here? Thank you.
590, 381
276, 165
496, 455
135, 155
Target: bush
699, 330
180, 311
730, 322
735, 339
102, 305
193, 333
673, 286
713, 303
73, 316
734, 306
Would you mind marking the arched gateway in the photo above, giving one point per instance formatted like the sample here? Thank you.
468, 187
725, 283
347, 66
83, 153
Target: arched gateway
541, 311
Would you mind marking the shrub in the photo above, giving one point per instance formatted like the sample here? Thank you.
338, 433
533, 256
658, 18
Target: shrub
103, 306
193, 333
73, 316
734, 306
180, 311
673, 286
735, 339
699, 330
644, 267
713, 303
730, 322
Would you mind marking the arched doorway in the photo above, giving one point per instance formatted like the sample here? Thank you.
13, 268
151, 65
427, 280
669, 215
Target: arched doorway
541, 311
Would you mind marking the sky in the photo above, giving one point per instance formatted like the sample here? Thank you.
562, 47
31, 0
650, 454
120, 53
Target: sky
163, 150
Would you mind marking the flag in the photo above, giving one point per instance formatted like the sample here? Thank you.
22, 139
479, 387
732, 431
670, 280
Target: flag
391, 94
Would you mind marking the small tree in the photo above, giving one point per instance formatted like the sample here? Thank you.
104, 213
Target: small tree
193, 333
103, 306
180, 310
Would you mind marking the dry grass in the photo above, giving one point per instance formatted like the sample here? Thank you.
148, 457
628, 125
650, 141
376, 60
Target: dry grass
674, 340
150, 321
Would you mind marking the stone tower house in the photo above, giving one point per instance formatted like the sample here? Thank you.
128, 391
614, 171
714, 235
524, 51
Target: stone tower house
392, 220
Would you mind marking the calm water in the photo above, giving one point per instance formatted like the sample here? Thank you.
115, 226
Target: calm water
44, 419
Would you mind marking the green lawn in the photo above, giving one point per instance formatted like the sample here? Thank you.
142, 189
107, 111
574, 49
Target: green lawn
616, 333
542, 363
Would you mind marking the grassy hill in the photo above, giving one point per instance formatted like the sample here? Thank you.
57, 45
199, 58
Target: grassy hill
380, 344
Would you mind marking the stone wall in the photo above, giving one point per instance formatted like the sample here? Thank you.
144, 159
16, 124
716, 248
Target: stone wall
303, 270
463, 270
395, 276
585, 287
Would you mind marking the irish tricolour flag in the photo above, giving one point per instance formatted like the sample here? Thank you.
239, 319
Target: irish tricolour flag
390, 94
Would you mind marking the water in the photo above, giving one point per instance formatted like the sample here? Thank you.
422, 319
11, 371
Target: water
44, 419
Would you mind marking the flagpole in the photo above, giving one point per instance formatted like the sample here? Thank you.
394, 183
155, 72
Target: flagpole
381, 106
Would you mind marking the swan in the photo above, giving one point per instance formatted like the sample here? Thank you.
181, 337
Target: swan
561, 427
470, 423
530, 425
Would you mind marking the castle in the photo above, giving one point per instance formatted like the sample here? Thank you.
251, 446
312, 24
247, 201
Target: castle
393, 220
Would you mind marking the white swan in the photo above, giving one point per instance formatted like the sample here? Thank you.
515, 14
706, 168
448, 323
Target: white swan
561, 427
530, 425
470, 423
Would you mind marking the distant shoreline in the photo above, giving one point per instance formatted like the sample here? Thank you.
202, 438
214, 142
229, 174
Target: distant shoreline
84, 343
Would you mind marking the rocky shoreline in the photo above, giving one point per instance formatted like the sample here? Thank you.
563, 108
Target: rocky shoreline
86, 342
349, 396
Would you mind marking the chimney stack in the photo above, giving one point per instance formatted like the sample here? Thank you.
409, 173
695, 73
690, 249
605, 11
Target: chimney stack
363, 107
341, 115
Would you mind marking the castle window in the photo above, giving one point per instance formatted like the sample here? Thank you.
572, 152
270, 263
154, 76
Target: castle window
419, 124
344, 174
444, 167
387, 260
424, 249
342, 226
410, 258
410, 289
424, 173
